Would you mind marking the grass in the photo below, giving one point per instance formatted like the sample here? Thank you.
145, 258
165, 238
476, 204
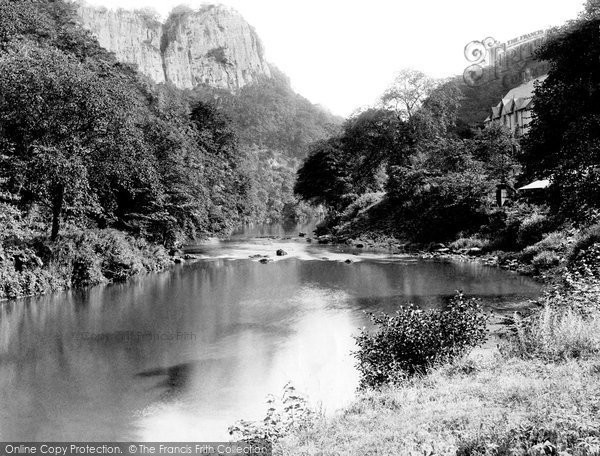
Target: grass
557, 334
538, 394
484, 404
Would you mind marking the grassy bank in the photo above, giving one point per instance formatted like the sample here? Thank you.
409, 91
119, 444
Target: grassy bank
486, 404
539, 393
31, 264
536, 393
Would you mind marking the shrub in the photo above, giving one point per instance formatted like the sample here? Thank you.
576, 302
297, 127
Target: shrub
469, 243
79, 258
516, 227
586, 264
86, 270
553, 245
10, 221
360, 204
556, 335
412, 340
532, 229
587, 238
288, 414
545, 260
438, 207
584, 257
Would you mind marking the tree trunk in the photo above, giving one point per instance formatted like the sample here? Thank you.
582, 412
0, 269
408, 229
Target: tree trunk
57, 205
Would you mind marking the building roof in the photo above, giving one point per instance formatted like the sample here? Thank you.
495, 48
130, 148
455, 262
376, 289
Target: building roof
536, 185
509, 106
522, 103
516, 99
524, 90
496, 112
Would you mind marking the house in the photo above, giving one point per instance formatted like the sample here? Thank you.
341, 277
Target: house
515, 109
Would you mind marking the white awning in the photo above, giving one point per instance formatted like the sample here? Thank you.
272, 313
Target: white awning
536, 185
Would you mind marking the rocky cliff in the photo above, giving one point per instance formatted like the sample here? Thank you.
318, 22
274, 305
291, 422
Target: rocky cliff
213, 45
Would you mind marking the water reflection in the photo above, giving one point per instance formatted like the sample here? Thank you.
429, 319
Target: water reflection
182, 355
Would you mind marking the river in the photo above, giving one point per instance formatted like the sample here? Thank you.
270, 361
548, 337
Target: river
183, 354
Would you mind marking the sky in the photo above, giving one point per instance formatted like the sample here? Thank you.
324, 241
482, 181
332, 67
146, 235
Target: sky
342, 54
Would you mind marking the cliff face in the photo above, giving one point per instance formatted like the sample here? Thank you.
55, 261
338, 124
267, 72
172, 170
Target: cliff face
133, 37
213, 45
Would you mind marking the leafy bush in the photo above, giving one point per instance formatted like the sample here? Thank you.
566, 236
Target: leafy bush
556, 334
586, 265
437, 207
518, 226
79, 258
287, 414
545, 260
532, 229
10, 221
86, 270
553, 245
469, 243
360, 204
412, 340
584, 253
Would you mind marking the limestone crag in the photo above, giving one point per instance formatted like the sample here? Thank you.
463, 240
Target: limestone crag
213, 45
132, 36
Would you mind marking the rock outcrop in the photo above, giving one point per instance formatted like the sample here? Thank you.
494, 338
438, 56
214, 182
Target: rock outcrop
133, 37
213, 45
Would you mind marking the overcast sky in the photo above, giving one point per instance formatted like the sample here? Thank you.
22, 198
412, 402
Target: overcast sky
343, 53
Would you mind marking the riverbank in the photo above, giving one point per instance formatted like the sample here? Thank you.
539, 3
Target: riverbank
540, 256
536, 393
485, 404
31, 264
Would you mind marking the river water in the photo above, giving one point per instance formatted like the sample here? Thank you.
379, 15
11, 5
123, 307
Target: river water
183, 354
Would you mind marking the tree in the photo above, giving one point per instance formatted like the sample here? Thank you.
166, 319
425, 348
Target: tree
368, 140
325, 177
228, 187
564, 140
46, 111
438, 113
441, 192
60, 117
58, 178
408, 91
497, 149
22, 18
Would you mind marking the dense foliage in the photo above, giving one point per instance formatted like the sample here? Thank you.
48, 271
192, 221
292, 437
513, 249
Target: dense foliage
270, 115
275, 127
84, 137
414, 340
91, 150
564, 141
437, 183
341, 168
441, 177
